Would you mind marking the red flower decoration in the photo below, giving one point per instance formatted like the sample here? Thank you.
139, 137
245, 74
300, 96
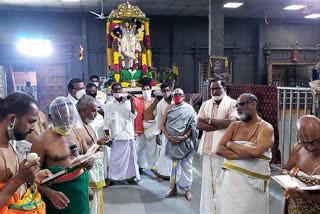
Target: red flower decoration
144, 69
116, 68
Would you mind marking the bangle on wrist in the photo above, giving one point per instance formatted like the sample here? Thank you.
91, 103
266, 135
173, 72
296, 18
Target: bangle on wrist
185, 136
209, 122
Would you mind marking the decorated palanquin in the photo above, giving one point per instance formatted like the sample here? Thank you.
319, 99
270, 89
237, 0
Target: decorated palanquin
128, 45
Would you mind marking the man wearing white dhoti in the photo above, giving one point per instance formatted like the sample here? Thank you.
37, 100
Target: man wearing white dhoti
163, 167
87, 107
215, 115
147, 148
246, 146
119, 114
178, 126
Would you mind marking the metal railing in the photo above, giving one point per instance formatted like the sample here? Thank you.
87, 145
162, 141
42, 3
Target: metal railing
293, 102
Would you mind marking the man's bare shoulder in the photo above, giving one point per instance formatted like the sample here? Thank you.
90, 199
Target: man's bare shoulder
265, 126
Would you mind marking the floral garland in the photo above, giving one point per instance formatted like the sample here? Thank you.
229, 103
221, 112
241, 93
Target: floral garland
114, 61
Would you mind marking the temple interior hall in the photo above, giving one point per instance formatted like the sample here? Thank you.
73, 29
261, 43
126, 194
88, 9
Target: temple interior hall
268, 48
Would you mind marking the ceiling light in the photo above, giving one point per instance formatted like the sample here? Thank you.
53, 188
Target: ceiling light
294, 7
70, 0
232, 5
313, 16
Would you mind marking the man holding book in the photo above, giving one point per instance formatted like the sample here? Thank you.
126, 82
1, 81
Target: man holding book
304, 164
246, 147
70, 192
87, 107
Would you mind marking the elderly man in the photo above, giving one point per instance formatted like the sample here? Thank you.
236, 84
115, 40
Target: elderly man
70, 192
119, 114
163, 161
76, 89
18, 113
214, 117
178, 126
246, 147
304, 164
87, 108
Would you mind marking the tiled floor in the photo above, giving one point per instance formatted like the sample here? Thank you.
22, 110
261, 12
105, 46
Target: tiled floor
148, 196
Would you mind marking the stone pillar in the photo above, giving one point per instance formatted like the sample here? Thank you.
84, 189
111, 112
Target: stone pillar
216, 27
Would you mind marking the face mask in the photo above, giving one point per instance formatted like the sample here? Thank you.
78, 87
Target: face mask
146, 95
217, 98
178, 99
62, 130
96, 83
93, 95
117, 95
166, 94
80, 93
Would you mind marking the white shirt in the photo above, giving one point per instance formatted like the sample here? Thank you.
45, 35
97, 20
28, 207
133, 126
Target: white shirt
161, 106
118, 119
97, 125
71, 98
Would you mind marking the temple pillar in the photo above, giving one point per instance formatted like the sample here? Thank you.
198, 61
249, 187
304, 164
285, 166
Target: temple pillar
216, 27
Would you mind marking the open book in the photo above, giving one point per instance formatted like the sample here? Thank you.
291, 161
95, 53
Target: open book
287, 181
75, 163
90, 154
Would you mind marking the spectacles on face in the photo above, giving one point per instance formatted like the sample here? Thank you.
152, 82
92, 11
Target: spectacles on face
216, 88
240, 105
178, 95
310, 143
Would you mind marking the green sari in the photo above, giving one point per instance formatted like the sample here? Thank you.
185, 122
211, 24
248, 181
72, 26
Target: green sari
76, 190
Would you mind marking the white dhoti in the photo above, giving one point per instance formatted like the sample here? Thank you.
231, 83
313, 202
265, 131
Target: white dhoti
181, 173
243, 186
237, 195
106, 157
163, 168
123, 161
210, 173
147, 147
96, 178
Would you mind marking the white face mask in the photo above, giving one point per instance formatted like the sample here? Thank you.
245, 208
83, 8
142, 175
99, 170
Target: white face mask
146, 95
117, 95
89, 120
96, 83
80, 93
220, 97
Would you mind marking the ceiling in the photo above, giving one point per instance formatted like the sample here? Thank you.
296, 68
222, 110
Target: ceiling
250, 9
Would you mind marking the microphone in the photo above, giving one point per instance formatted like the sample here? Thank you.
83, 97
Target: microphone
74, 150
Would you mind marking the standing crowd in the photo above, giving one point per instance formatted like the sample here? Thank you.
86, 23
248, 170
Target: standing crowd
92, 140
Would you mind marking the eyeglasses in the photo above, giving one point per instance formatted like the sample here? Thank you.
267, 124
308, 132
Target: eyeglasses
240, 105
311, 143
216, 89
176, 95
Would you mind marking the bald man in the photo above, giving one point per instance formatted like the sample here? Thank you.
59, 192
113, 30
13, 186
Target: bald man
178, 126
304, 164
246, 147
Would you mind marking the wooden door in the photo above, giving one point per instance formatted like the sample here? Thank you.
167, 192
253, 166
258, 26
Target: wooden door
52, 83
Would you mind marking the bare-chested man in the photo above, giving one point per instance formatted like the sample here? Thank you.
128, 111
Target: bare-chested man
69, 193
304, 164
18, 113
87, 108
147, 148
246, 147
